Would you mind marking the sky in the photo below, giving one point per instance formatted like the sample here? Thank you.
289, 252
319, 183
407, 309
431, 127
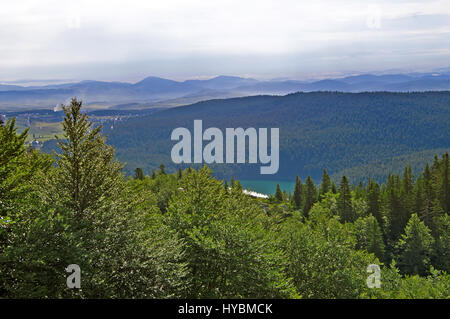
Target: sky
128, 40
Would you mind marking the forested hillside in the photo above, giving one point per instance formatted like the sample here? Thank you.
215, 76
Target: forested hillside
360, 133
190, 235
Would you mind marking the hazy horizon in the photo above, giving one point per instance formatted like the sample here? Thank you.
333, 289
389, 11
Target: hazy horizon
42, 82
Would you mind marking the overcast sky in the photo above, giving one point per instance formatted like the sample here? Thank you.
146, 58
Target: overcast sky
180, 39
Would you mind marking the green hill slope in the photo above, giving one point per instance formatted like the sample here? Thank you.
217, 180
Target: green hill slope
336, 131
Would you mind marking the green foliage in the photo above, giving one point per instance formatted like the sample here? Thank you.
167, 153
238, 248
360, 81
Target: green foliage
325, 186
81, 213
369, 236
298, 193
17, 168
416, 246
189, 235
228, 251
344, 204
322, 260
310, 195
139, 173
278, 194
363, 135
441, 258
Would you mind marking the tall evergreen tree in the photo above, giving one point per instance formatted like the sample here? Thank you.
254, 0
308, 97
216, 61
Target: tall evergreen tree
344, 203
396, 211
441, 257
369, 236
310, 195
428, 193
89, 173
298, 193
333, 187
444, 191
138, 173
373, 201
325, 186
415, 247
162, 169
278, 194
407, 193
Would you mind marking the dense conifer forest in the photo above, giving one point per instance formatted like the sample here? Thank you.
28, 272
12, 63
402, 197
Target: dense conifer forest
361, 135
190, 235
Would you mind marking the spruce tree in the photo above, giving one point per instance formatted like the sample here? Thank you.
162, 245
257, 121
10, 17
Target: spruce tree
428, 197
310, 195
325, 186
394, 210
415, 247
444, 189
369, 236
373, 201
89, 173
298, 193
162, 169
344, 203
278, 194
138, 173
333, 187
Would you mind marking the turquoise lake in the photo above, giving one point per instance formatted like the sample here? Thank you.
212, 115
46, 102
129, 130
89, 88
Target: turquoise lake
267, 187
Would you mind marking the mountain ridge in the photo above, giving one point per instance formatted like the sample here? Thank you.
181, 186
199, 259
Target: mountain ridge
152, 90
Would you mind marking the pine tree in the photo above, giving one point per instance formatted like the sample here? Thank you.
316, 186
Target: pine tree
444, 192
89, 172
180, 173
162, 169
369, 236
419, 196
441, 258
138, 173
153, 174
278, 194
310, 195
238, 186
394, 210
428, 193
333, 188
415, 247
83, 213
373, 201
298, 193
407, 194
344, 203
325, 186
360, 191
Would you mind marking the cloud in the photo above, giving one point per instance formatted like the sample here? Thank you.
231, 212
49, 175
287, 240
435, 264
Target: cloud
49, 38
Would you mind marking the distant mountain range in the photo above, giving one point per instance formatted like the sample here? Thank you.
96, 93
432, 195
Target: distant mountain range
155, 91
